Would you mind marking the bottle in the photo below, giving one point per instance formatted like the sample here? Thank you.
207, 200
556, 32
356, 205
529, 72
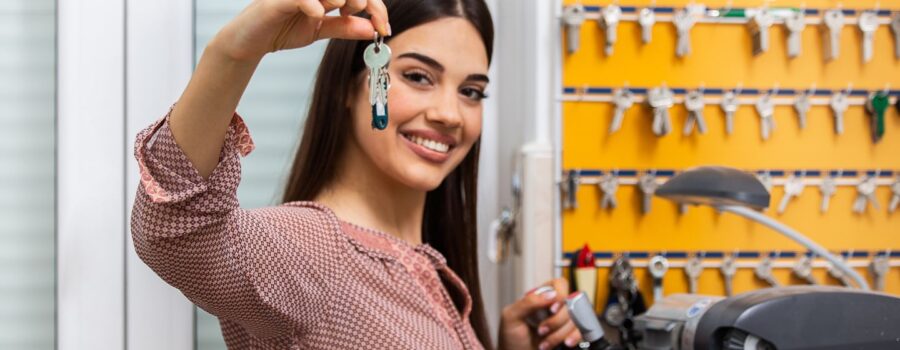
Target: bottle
582, 313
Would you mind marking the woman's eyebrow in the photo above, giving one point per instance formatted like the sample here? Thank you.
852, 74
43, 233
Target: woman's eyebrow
439, 67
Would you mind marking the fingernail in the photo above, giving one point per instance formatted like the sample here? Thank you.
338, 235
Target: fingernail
555, 308
549, 295
571, 342
389, 28
543, 330
544, 346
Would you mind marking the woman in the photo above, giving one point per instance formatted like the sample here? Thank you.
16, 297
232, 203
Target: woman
375, 245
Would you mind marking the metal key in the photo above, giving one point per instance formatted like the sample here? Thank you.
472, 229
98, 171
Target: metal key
661, 99
729, 106
792, 188
895, 28
610, 22
573, 18
694, 104
839, 104
658, 266
759, 30
802, 105
868, 23
827, 188
803, 269
683, 21
693, 269
877, 104
728, 269
795, 23
648, 187
765, 107
377, 57
833, 21
570, 188
895, 196
623, 100
879, 267
646, 18
865, 194
763, 271
609, 184
839, 274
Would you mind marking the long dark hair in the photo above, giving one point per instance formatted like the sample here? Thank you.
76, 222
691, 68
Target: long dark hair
449, 223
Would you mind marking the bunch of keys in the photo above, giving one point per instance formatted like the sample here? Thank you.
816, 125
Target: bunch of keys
377, 57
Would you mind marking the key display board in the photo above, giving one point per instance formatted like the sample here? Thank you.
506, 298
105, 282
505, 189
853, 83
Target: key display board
725, 55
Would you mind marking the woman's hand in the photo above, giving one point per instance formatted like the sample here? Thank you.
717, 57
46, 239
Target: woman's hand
516, 334
272, 25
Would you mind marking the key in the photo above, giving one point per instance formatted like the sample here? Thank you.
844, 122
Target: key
646, 18
763, 271
623, 99
693, 102
759, 30
765, 107
803, 269
610, 22
868, 23
658, 266
766, 179
802, 104
827, 188
839, 105
570, 187
683, 21
876, 105
865, 195
609, 184
839, 274
573, 18
377, 57
792, 188
895, 196
693, 268
879, 267
728, 269
795, 23
895, 28
833, 20
648, 187
661, 99
729, 106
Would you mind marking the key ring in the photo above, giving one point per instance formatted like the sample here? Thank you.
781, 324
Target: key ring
379, 40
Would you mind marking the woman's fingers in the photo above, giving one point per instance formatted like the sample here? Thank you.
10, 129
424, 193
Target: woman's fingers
311, 8
353, 6
562, 334
528, 304
379, 13
557, 320
346, 27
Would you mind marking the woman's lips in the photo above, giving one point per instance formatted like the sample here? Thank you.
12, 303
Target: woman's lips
432, 156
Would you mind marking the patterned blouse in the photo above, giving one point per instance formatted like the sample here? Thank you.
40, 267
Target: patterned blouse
293, 276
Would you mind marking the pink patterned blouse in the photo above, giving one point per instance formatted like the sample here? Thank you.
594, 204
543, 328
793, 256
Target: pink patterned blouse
288, 277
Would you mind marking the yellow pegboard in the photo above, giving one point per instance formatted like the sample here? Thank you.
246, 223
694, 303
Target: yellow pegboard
721, 57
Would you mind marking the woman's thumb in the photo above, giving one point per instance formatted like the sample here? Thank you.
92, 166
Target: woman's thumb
533, 301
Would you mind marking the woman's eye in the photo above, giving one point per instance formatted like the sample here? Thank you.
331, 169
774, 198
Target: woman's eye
474, 94
417, 78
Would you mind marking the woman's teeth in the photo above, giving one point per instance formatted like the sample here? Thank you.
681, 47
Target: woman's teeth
429, 144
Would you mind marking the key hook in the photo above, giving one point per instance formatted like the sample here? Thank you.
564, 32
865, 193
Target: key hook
379, 40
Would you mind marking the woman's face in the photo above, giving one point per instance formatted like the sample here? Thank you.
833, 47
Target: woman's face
438, 77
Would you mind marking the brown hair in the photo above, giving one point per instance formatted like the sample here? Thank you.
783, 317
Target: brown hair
449, 223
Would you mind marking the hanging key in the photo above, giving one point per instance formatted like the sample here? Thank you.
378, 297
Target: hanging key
648, 186
570, 189
765, 178
759, 26
658, 266
646, 18
839, 104
694, 104
377, 57
827, 188
802, 105
683, 21
879, 267
895, 195
839, 274
763, 271
609, 185
693, 269
661, 99
865, 195
609, 18
729, 106
795, 24
833, 22
728, 269
573, 18
868, 24
765, 107
793, 187
623, 100
877, 104
803, 269
895, 28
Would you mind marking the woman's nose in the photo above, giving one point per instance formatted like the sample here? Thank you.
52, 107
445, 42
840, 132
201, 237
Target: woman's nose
445, 110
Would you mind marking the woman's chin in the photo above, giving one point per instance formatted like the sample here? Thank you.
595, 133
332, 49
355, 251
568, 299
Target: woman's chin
422, 180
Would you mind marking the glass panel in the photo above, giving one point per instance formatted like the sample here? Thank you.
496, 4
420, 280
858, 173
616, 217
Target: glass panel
274, 108
27, 163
